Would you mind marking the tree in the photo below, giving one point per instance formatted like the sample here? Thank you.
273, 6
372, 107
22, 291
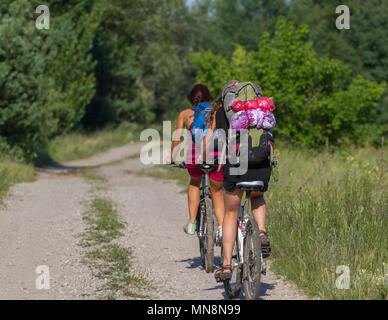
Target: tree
143, 69
71, 63
219, 24
315, 96
364, 48
28, 98
46, 76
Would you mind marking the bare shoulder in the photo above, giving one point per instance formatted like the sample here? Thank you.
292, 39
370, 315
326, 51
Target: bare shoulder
186, 118
186, 113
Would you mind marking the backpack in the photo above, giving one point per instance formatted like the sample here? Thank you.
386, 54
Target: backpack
260, 147
235, 90
199, 128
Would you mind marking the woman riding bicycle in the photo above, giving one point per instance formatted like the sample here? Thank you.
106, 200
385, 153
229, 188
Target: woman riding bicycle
232, 195
199, 96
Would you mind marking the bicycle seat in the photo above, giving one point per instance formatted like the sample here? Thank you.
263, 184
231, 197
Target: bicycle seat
250, 185
206, 167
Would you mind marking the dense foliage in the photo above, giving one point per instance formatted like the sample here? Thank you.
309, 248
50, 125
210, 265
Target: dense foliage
104, 62
143, 71
363, 48
46, 76
316, 99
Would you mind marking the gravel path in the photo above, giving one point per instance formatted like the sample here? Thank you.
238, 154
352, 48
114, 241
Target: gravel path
41, 221
39, 226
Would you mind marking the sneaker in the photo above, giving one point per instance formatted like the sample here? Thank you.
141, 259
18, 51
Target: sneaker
189, 228
219, 236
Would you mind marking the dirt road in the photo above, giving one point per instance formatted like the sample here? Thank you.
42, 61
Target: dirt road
41, 222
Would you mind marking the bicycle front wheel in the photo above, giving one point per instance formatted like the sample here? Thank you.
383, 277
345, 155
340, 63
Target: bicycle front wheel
206, 242
252, 261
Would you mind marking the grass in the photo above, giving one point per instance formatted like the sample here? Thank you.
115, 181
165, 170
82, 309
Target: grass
12, 171
326, 211
329, 212
89, 175
103, 221
108, 260
112, 262
83, 145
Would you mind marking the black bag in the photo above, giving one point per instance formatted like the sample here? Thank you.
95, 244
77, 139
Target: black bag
259, 150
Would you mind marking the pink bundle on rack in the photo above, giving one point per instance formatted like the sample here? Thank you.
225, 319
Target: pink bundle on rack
263, 103
240, 121
254, 113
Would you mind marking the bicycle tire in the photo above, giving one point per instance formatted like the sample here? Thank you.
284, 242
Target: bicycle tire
233, 287
206, 243
252, 261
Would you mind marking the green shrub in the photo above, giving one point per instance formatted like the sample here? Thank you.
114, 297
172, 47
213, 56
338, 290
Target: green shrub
13, 171
46, 76
315, 97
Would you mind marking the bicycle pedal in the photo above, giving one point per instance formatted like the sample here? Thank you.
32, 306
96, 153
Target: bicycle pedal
266, 252
218, 280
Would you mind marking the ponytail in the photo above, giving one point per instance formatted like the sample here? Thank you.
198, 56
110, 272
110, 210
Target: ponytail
217, 105
200, 93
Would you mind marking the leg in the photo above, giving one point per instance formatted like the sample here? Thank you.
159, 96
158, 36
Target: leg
259, 213
259, 209
218, 200
193, 195
232, 206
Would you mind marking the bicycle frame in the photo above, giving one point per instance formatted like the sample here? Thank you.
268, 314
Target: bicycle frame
242, 220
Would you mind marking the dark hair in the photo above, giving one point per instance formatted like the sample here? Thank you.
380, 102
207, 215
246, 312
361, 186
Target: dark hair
217, 105
200, 93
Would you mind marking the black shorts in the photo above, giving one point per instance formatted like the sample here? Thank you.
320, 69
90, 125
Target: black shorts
257, 173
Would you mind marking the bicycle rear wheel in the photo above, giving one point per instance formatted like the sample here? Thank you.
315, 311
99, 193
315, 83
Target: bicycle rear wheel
252, 261
233, 286
206, 242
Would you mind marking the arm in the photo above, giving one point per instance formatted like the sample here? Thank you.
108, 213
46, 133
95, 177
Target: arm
178, 135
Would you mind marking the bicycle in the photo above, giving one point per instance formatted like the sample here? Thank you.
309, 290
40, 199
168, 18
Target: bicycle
247, 257
205, 219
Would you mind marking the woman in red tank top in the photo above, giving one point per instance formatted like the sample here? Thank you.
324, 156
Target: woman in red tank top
198, 95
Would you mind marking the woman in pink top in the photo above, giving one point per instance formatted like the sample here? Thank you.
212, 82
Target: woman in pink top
199, 94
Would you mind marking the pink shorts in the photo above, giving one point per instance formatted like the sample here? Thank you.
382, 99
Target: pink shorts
196, 173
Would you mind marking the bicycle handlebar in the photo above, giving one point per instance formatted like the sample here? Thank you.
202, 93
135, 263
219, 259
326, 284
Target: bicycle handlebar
182, 165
